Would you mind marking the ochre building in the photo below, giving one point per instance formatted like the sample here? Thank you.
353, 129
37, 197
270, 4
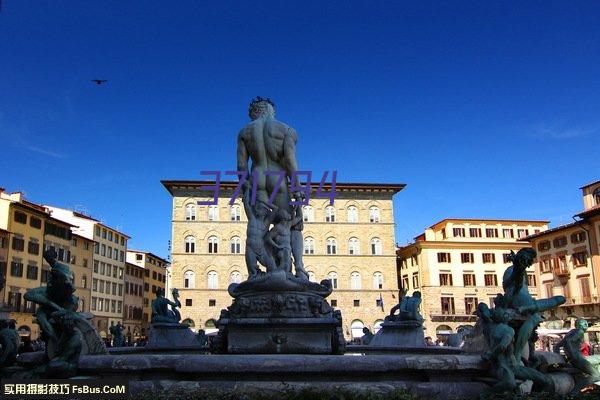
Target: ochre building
457, 263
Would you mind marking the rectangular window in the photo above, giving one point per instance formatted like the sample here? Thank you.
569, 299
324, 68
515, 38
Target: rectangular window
508, 233
447, 305
475, 232
458, 232
491, 232
469, 279
33, 248
333, 303
405, 282
415, 280
549, 290
188, 303
443, 257
584, 284
544, 246
491, 279
467, 258
356, 303
445, 279
212, 303
531, 280
45, 274
32, 272
579, 259
20, 217
16, 269
18, 243
506, 258
560, 241
489, 258
521, 233
578, 237
35, 223
470, 305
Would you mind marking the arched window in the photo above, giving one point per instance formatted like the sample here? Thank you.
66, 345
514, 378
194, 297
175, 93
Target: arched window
355, 281
190, 212
374, 214
377, 280
377, 325
190, 244
213, 245
357, 328
309, 245
333, 277
311, 276
189, 279
236, 245
353, 246
213, 213
596, 195
329, 214
376, 248
352, 214
189, 322
235, 277
308, 213
236, 212
331, 246
213, 280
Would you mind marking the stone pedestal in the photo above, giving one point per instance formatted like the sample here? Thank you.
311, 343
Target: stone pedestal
171, 336
405, 334
279, 314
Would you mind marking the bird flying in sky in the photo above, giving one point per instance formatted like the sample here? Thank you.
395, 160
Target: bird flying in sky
98, 81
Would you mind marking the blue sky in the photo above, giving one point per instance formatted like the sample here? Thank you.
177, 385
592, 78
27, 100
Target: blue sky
484, 109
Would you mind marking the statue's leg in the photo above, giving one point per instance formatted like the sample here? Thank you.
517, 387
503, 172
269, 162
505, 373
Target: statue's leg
266, 260
522, 338
506, 380
548, 304
251, 262
541, 383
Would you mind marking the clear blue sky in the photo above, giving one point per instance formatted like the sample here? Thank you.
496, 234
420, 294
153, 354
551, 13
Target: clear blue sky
484, 109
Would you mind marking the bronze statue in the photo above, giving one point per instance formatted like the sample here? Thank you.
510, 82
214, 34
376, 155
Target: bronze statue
408, 308
160, 307
57, 317
571, 344
297, 242
517, 297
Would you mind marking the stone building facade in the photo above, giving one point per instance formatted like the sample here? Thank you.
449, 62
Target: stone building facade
82, 255
155, 276
133, 300
568, 264
26, 221
108, 266
4, 244
457, 263
350, 242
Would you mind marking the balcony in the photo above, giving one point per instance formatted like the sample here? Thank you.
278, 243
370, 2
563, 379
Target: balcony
561, 271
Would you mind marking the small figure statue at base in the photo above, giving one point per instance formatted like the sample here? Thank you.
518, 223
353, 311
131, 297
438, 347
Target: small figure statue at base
117, 333
160, 307
57, 316
571, 344
408, 308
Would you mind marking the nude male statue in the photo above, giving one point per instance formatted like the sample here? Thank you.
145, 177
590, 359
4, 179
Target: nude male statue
271, 145
298, 243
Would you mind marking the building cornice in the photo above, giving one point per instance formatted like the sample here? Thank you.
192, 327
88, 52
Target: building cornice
394, 188
463, 245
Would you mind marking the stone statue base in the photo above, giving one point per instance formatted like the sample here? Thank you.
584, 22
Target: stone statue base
278, 313
170, 336
406, 334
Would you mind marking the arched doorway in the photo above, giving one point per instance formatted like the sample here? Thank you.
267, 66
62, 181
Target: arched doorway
442, 332
211, 326
377, 325
356, 328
